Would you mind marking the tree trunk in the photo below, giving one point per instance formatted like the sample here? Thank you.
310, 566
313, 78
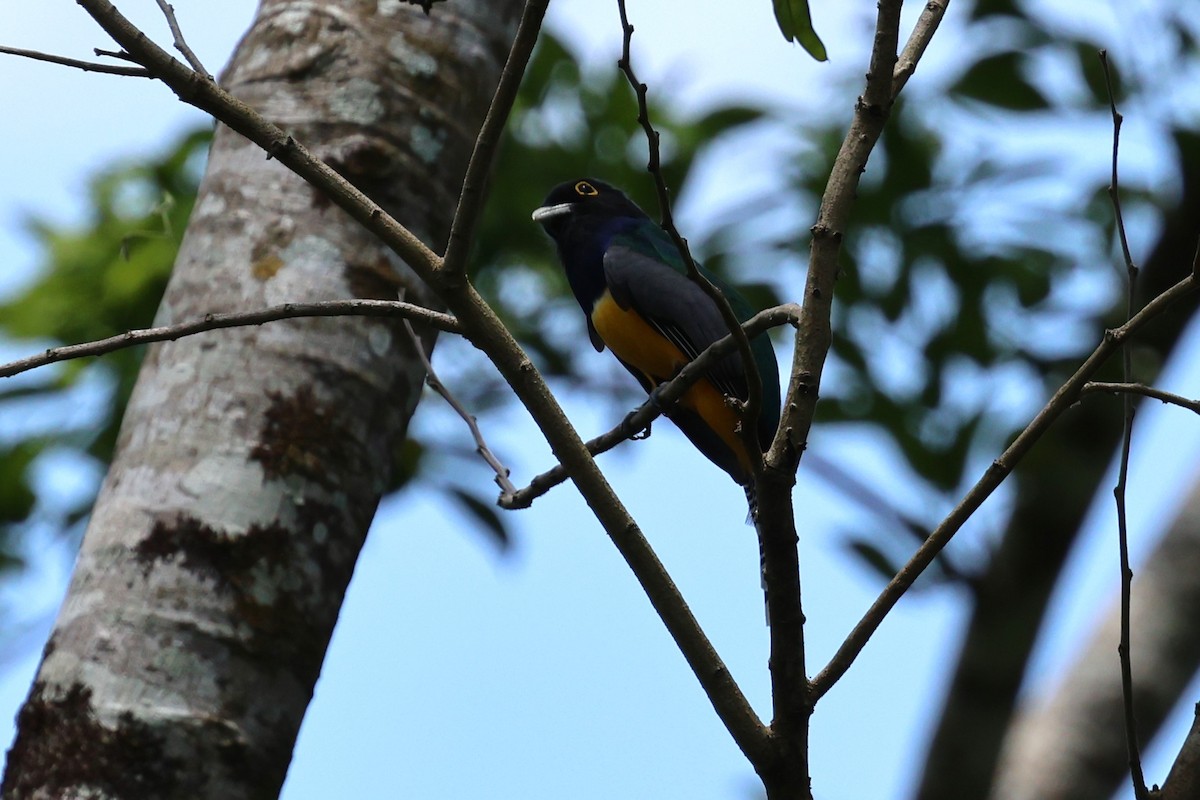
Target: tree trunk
250, 461
1072, 746
1056, 485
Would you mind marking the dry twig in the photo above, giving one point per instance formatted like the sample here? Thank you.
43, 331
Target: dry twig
234, 319
1102, 387
435, 383
86, 66
180, 43
1131, 271
470, 200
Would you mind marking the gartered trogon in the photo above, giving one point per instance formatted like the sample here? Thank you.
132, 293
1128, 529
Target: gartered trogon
631, 282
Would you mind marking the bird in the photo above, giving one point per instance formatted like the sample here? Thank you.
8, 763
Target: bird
631, 282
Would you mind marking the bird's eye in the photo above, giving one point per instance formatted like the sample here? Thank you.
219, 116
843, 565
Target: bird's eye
585, 189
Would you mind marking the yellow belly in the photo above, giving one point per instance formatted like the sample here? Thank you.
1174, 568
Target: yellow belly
638, 344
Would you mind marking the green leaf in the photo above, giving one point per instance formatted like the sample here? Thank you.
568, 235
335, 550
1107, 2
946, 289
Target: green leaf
16, 496
484, 513
998, 81
873, 557
796, 25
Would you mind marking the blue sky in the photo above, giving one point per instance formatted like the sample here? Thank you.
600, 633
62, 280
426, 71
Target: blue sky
455, 672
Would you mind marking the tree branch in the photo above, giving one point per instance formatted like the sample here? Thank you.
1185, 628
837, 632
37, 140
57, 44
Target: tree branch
1097, 387
180, 44
1066, 395
86, 66
813, 338
1123, 649
918, 40
196, 90
481, 446
470, 200
235, 319
792, 694
812, 342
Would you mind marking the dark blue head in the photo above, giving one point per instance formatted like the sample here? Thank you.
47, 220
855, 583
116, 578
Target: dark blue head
582, 216
585, 204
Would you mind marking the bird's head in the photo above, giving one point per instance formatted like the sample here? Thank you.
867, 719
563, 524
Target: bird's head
585, 205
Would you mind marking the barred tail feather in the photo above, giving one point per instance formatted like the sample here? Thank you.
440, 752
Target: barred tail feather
752, 519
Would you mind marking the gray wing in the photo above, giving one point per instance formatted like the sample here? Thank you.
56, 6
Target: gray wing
676, 307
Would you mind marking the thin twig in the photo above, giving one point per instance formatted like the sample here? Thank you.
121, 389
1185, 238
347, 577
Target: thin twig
1066, 395
118, 54
785, 762
470, 199
1102, 387
665, 396
86, 66
751, 408
180, 44
918, 40
435, 383
1123, 649
235, 319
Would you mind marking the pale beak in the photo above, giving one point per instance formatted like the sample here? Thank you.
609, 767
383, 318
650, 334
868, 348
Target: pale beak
550, 212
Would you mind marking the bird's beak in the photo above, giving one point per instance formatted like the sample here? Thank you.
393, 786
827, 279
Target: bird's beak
550, 212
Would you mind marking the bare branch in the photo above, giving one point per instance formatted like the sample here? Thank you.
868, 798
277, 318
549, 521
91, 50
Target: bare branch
481, 446
121, 55
180, 44
235, 319
86, 66
470, 200
665, 396
1098, 387
1123, 649
752, 406
918, 40
1066, 395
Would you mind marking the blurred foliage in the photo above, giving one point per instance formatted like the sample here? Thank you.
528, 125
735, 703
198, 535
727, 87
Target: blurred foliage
99, 279
968, 285
979, 268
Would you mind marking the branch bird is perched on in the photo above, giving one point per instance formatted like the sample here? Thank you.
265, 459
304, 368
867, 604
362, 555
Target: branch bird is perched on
633, 286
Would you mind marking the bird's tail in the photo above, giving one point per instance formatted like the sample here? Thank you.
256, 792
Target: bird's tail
752, 504
752, 519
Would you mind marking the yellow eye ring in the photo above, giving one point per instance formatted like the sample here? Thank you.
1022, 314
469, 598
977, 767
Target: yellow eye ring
585, 189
